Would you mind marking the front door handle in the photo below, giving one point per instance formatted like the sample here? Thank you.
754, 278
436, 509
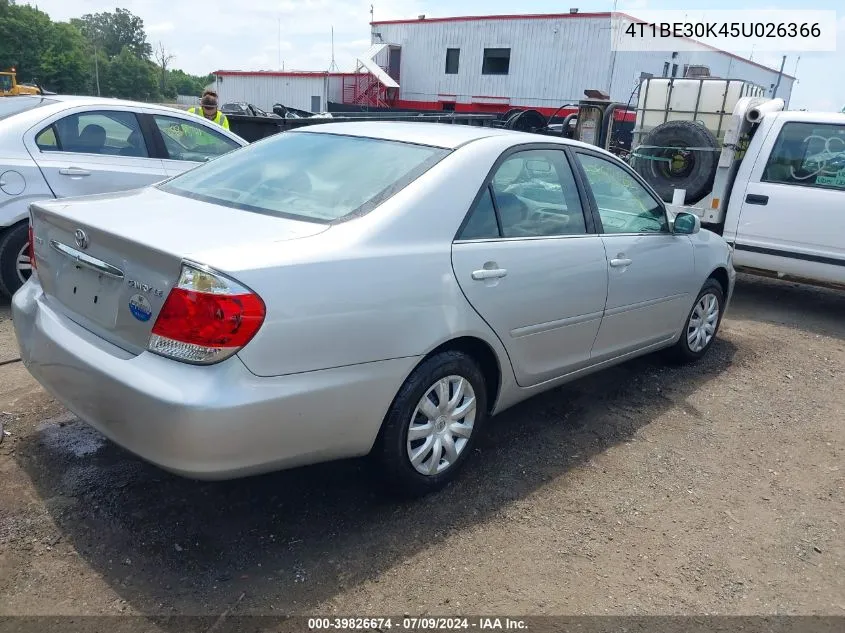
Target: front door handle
489, 273
753, 198
74, 171
620, 262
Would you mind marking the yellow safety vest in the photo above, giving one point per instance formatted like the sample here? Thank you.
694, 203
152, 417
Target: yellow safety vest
220, 118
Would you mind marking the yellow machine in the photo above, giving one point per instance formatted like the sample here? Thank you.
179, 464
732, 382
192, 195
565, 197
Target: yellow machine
9, 85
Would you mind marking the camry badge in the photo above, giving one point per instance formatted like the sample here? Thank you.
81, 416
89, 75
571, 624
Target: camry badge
81, 239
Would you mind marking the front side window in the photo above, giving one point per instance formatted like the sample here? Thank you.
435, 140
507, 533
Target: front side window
186, 140
625, 206
496, 61
810, 155
102, 132
307, 175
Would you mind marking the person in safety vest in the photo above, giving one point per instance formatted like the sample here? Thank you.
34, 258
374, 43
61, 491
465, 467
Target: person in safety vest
208, 109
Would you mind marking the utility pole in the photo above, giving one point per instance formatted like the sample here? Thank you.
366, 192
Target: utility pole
96, 70
280, 43
333, 66
780, 74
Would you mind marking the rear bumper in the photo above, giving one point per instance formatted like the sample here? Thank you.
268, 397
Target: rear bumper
213, 422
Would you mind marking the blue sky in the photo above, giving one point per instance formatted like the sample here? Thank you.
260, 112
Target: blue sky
221, 34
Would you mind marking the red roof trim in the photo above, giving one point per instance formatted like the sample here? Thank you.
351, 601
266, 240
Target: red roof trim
555, 16
273, 73
473, 18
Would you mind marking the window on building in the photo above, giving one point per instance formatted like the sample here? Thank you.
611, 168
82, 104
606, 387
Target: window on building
665, 69
497, 61
453, 56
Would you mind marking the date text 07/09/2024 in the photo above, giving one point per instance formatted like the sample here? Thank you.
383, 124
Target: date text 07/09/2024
417, 624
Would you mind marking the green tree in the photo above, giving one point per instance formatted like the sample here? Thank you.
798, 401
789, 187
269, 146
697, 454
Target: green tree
127, 76
65, 65
24, 36
112, 32
185, 84
65, 57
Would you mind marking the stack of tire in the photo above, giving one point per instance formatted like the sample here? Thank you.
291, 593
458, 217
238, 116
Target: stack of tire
678, 155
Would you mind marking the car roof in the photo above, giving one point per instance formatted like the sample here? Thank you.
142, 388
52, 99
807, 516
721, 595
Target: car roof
433, 134
85, 100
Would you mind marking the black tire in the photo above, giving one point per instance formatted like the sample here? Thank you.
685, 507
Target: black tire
13, 240
682, 352
527, 121
692, 170
391, 451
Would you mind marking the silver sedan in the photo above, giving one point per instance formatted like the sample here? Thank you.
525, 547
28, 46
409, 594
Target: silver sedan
357, 289
60, 146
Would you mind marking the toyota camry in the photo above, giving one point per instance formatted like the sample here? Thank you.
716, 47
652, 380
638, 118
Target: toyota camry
357, 289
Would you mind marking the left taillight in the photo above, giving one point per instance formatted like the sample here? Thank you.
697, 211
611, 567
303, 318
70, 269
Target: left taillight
206, 318
31, 248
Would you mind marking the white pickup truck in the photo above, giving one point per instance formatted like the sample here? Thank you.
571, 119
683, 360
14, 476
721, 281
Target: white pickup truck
778, 192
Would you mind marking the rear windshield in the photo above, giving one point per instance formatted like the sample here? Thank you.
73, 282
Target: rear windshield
316, 177
10, 106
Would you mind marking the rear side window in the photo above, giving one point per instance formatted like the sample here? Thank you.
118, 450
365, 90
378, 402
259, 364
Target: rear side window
532, 194
309, 176
46, 140
102, 132
809, 155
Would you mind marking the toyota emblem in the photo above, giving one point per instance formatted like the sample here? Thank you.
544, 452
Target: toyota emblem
81, 239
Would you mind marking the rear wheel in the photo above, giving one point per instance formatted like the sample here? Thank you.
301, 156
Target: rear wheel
702, 323
15, 267
432, 424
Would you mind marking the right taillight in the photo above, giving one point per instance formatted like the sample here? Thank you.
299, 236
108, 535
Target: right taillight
31, 247
206, 318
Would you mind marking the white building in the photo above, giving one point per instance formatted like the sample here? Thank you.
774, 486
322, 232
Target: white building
490, 63
538, 61
303, 90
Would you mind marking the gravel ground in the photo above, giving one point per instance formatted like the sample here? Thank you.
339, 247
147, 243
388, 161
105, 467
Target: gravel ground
715, 488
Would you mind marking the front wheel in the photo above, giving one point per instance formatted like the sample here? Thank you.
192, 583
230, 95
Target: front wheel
15, 267
432, 425
702, 323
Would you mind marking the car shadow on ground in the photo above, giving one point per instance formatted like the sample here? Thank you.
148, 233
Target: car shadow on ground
289, 541
810, 309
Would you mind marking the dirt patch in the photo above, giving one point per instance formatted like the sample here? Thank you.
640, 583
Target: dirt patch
714, 488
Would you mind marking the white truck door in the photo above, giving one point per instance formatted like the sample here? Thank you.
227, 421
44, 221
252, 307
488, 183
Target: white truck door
791, 214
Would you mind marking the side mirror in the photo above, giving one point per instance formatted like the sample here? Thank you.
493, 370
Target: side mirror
686, 224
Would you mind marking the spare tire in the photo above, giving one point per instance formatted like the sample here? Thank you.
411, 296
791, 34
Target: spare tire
673, 166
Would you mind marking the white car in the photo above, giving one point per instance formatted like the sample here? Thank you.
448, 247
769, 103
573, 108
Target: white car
62, 146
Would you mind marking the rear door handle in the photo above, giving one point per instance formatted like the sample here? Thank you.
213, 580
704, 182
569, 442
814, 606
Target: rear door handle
489, 273
753, 198
620, 262
74, 171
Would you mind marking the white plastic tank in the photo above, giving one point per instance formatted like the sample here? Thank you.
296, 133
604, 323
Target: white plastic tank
709, 101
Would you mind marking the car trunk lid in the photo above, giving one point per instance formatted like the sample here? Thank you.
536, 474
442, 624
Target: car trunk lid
108, 262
